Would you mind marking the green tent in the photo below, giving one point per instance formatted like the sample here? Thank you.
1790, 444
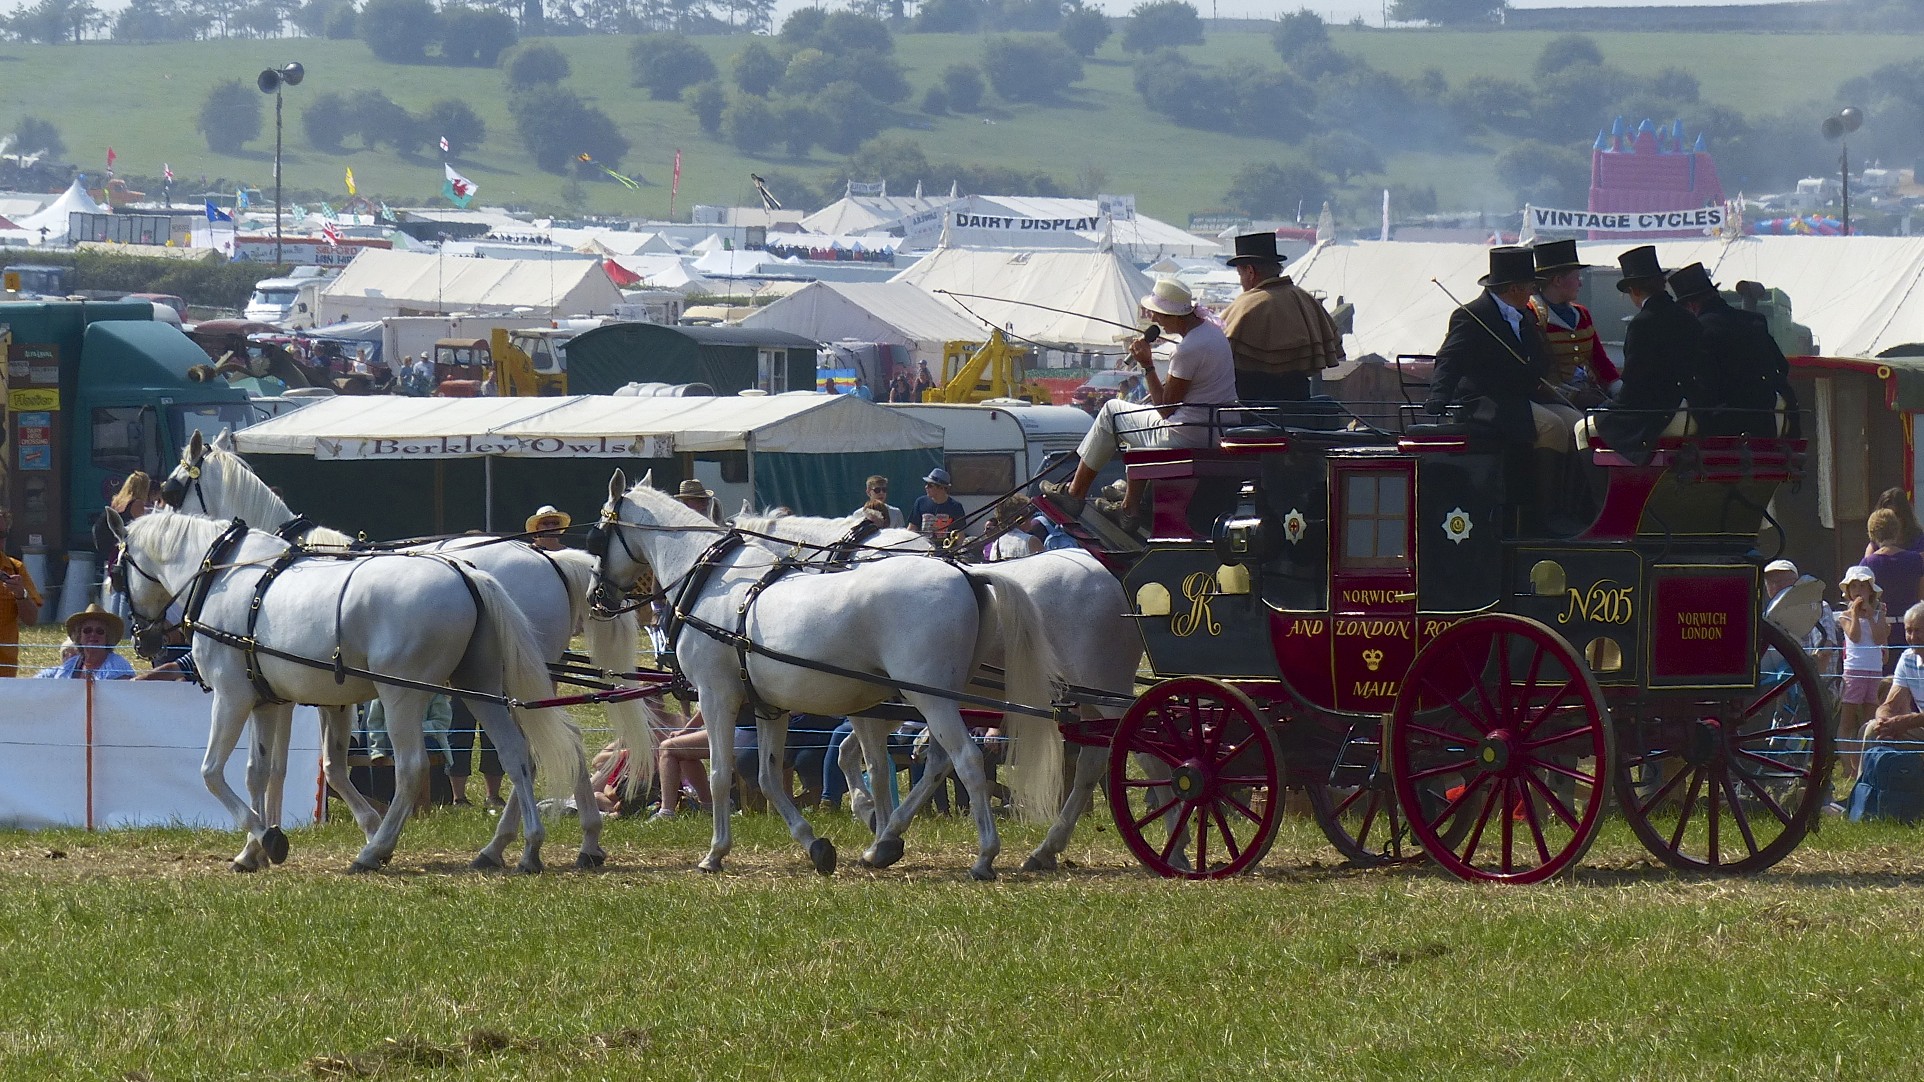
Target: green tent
727, 359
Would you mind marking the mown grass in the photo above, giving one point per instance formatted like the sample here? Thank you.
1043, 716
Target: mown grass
145, 99
138, 955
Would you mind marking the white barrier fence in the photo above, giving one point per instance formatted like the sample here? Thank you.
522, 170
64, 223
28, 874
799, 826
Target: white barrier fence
120, 753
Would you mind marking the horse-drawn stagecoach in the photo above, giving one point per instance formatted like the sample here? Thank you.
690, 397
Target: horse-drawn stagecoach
1359, 615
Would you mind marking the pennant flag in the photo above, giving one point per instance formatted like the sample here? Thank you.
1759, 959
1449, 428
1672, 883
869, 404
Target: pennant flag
676, 186
386, 213
769, 202
350, 181
167, 172
215, 214
459, 189
331, 235
444, 144
327, 212
110, 157
620, 275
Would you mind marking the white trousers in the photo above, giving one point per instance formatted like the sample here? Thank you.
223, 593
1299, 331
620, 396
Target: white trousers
1121, 423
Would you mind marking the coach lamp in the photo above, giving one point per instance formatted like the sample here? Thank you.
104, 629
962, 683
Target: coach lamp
1242, 536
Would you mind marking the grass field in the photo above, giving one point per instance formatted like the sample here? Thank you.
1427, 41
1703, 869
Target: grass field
138, 955
142, 101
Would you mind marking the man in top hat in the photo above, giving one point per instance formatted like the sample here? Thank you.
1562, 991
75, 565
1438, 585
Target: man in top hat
545, 526
1661, 347
1743, 378
1567, 327
1200, 374
1279, 334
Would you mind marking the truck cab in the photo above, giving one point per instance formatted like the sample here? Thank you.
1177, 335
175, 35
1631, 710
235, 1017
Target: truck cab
281, 300
37, 280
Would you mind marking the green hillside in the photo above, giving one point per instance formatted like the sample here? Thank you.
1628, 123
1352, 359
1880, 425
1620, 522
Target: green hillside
142, 100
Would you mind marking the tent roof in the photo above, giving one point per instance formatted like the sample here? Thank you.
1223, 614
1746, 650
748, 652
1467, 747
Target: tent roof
1141, 238
585, 426
564, 286
898, 312
54, 217
1858, 295
864, 213
1100, 284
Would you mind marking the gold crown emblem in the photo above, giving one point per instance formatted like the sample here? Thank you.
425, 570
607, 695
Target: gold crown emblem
1372, 658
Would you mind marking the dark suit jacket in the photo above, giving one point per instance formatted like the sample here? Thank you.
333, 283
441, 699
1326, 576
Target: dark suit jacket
1662, 350
1481, 357
1742, 374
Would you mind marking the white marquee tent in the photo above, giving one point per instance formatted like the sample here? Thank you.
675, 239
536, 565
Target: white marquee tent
383, 283
893, 313
1088, 286
54, 218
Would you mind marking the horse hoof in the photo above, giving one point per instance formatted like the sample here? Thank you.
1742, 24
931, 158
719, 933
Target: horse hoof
708, 865
982, 875
528, 866
1039, 863
275, 843
883, 853
360, 867
486, 862
239, 867
821, 853
590, 861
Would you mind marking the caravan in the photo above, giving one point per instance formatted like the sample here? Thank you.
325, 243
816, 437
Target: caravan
991, 447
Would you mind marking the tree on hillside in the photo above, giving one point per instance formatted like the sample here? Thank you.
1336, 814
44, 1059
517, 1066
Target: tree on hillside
310, 18
535, 63
380, 121
894, 160
451, 119
1447, 12
848, 32
33, 135
1545, 174
1084, 29
667, 64
399, 31
475, 37
1567, 51
155, 20
555, 125
1270, 189
1030, 67
1157, 24
1492, 102
802, 26
751, 124
230, 116
1344, 154
849, 115
1297, 31
801, 128
707, 101
965, 87
343, 22
1676, 84
327, 120
1274, 104
757, 68
54, 22
950, 16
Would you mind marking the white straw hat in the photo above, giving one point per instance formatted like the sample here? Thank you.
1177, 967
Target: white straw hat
1171, 298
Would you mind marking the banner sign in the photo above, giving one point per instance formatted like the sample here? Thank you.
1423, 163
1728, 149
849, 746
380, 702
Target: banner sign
925, 225
305, 251
1121, 208
1028, 225
1702, 219
387, 447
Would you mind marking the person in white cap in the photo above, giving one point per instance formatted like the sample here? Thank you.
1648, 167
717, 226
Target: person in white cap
1201, 374
1866, 627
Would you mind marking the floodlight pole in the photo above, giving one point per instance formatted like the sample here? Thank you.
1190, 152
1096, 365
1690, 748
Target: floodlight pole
270, 81
1844, 165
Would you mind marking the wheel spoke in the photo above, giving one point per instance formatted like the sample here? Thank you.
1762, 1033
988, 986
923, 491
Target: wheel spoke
1507, 830
1221, 756
1200, 823
1738, 815
1556, 805
1242, 809
1766, 799
1548, 741
1477, 726
1448, 768
1369, 818
1775, 765
1229, 836
1483, 820
1455, 807
1159, 812
1439, 734
1769, 695
1536, 827
1176, 832
1643, 811
1355, 795
1683, 811
1564, 771
1714, 820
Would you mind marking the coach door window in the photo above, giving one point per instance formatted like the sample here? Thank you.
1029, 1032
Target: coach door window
1376, 520
125, 439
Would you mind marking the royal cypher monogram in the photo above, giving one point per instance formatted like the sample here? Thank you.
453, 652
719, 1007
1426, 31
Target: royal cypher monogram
1197, 589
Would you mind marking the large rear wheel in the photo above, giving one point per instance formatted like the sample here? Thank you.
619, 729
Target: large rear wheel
1731, 784
1195, 780
1501, 712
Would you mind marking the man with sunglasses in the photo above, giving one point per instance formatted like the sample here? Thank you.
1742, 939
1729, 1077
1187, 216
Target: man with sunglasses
878, 492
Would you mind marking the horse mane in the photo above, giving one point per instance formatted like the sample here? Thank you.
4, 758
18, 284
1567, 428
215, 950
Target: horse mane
253, 502
668, 510
174, 536
782, 523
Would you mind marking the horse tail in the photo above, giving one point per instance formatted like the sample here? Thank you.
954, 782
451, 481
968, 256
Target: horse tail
1031, 675
614, 645
553, 737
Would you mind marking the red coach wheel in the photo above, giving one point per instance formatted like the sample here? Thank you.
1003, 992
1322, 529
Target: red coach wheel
1501, 710
1195, 781
1362, 822
1732, 784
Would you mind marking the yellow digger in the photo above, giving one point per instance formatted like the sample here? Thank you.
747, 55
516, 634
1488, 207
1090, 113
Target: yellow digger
528, 362
977, 373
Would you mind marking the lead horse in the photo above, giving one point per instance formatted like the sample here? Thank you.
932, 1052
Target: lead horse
1093, 645
271, 628
762, 633
550, 588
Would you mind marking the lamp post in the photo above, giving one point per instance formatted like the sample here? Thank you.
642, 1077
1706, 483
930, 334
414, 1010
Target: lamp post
1838, 127
270, 82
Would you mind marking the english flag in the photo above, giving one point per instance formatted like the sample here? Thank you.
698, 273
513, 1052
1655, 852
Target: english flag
458, 189
167, 172
444, 144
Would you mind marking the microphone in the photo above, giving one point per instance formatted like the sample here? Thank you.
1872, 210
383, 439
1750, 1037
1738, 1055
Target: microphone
1151, 333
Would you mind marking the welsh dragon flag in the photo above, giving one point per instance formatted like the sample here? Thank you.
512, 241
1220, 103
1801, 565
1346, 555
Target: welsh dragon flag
459, 189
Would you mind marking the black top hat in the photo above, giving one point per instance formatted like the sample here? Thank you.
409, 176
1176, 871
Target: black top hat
1691, 282
1508, 266
1557, 256
1640, 265
1256, 248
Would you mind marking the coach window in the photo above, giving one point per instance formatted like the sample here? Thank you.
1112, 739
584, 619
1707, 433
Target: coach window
1376, 520
125, 439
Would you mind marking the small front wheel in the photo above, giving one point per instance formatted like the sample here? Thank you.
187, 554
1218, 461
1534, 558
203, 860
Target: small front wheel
1195, 780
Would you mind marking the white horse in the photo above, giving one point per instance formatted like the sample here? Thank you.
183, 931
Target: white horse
908, 623
551, 589
417, 618
1093, 644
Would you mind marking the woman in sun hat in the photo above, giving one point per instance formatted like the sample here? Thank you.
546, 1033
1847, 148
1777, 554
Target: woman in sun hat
545, 525
95, 632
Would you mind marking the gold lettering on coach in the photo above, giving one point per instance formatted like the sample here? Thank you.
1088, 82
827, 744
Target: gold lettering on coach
1197, 589
1701, 625
1603, 603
